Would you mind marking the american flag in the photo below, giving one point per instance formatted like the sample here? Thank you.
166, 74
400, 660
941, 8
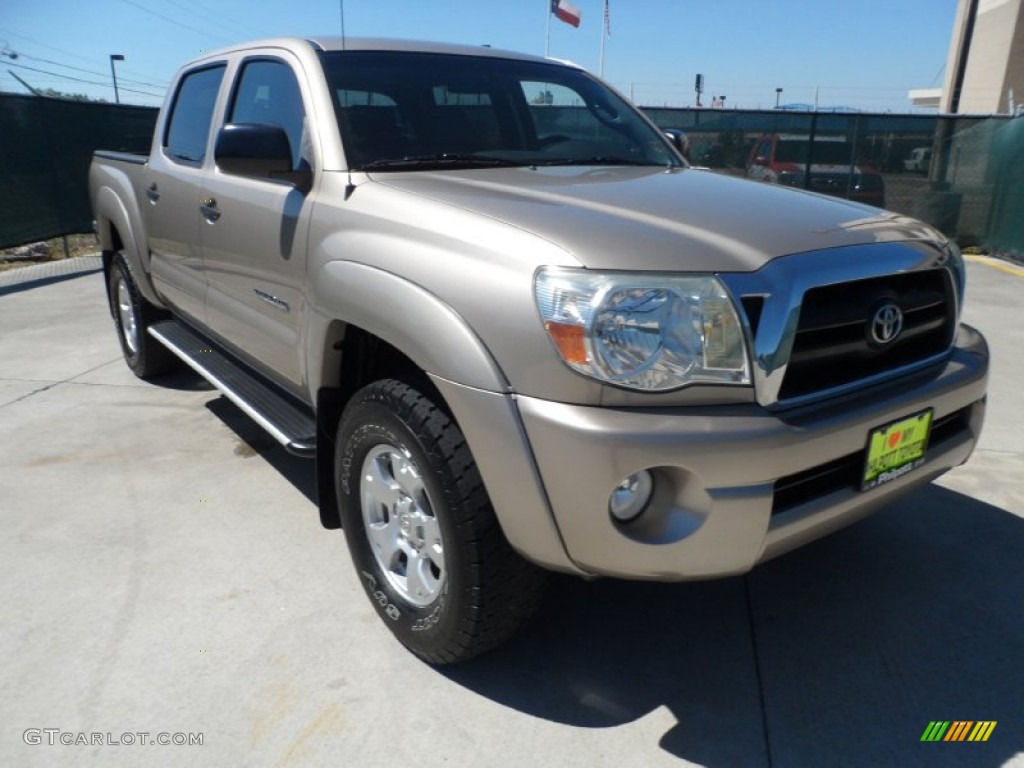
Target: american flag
607, 20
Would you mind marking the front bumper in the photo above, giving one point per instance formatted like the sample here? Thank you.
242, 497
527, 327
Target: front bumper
738, 484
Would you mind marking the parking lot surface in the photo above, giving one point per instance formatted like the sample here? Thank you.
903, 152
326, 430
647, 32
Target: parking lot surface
165, 572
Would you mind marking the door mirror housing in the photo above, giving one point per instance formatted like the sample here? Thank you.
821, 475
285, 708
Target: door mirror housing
259, 151
679, 140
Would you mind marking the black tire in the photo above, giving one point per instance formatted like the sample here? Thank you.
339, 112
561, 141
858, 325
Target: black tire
146, 356
485, 592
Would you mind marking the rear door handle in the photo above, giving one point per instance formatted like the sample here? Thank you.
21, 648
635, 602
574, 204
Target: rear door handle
209, 210
152, 193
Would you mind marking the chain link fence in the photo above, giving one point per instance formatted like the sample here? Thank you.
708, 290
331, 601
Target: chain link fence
964, 175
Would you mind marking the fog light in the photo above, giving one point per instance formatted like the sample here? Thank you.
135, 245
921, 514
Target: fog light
631, 496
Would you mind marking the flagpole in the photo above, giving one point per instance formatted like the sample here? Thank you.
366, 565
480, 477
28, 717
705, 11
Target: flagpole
604, 34
547, 34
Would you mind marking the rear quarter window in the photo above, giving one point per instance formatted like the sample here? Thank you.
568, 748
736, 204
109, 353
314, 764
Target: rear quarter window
188, 127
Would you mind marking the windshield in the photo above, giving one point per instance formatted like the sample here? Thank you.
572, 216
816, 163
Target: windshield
401, 110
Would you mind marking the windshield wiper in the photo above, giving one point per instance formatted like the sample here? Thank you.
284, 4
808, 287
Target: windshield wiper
444, 160
594, 160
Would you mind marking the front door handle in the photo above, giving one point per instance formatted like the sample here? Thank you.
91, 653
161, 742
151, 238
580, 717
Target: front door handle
152, 193
209, 210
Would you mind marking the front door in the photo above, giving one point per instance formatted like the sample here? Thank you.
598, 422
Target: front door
254, 232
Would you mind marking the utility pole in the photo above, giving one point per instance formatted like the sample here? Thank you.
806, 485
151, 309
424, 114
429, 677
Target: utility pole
32, 90
115, 57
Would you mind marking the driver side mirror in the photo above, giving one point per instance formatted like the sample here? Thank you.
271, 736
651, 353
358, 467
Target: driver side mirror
259, 151
679, 140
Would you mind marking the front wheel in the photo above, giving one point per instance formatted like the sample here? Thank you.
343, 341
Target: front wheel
421, 530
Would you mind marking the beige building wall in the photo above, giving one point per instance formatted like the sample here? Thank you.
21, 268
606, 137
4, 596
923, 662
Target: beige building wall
995, 58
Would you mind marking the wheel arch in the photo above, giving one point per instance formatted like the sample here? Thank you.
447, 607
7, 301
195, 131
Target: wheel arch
393, 328
409, 318
396, 329
117, 234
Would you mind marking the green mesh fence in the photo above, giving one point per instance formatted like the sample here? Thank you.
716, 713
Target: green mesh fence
962, 175
45, 149
1006, 224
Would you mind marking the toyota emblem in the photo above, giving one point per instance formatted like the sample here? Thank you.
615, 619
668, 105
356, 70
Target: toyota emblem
886, 324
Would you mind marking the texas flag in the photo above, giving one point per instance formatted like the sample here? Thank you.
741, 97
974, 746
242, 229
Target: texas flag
567, 12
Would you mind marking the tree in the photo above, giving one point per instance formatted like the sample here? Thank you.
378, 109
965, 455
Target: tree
52, 93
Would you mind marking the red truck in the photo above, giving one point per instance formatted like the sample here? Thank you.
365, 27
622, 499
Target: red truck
827, 165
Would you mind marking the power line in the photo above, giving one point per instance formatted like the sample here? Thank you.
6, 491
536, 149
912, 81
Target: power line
80, 80
69, 53
89, 71
44, 45
170, 20
228, 24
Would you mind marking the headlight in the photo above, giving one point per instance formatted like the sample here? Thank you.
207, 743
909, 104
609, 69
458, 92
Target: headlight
792, 178
643, 331
868, 182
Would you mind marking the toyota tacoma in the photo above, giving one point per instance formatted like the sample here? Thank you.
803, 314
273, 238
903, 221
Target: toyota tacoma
517, 333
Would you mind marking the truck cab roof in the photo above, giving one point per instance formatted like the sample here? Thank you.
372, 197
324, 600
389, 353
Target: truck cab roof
329, 43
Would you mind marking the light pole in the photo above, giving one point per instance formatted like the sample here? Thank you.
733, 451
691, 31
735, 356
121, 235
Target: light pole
115, 57
778, 93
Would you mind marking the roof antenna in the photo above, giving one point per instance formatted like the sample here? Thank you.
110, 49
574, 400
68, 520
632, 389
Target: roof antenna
350, 187
341, 9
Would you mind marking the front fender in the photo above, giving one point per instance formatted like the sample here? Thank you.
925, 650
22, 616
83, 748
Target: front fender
408, 317
440, 342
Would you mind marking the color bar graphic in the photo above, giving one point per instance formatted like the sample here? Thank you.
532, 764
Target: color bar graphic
958, 730
935, 731
982, 730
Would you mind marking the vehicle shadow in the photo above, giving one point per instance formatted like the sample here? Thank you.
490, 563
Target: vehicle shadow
28, 285
184, 379
254, 441
838, 654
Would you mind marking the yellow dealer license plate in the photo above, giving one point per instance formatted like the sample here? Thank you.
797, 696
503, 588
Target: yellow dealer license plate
896, 448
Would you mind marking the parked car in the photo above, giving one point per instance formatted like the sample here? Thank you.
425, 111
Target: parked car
517, 333
918, 160
830, 166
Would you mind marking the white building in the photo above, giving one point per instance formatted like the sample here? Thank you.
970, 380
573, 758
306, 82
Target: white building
985, 67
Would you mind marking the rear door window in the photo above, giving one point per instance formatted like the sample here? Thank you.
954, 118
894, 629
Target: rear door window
188, 128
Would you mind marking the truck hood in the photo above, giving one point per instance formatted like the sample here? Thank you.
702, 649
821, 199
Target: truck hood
680, 219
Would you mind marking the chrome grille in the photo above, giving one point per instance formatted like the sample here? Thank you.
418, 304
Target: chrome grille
833, 347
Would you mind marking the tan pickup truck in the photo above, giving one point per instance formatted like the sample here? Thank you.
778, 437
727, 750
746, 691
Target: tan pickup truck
518, 334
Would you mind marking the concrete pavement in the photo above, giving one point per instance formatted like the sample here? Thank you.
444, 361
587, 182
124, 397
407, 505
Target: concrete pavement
164, 571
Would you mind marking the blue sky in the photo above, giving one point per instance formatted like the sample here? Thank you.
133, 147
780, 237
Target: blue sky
860, 53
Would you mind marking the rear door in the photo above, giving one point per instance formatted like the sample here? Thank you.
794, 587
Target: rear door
172, 191
255, 232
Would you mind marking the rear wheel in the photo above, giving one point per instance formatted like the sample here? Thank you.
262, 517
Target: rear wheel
132, 317
421, 531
